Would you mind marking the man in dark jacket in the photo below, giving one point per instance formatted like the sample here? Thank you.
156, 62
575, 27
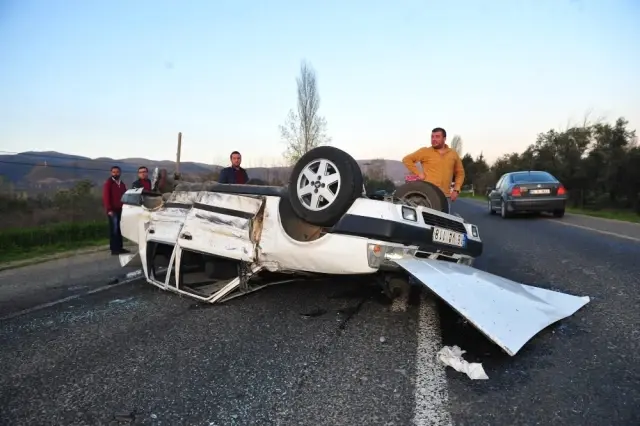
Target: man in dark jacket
143, 179
112, 192
235, 173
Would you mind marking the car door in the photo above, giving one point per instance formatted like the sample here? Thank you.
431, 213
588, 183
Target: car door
504, 188
223, 225
494, 195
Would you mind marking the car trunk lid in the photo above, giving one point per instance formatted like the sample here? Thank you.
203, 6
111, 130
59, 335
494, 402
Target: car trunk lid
538, 189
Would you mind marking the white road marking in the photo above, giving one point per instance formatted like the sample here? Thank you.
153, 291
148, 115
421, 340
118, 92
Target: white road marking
613, 234
431, 393
400, 304
132, 276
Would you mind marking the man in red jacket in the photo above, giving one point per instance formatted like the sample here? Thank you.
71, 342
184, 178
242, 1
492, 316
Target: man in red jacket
143, 179
112, 192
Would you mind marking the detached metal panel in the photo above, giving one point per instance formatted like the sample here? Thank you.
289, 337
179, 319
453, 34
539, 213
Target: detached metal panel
507, 312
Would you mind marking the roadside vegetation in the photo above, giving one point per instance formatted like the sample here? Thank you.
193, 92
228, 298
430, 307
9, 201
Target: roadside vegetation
47, 224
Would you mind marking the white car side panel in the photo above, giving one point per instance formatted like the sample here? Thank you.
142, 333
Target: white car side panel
165, 225
330, 254
507, 312
219, 231
387, 210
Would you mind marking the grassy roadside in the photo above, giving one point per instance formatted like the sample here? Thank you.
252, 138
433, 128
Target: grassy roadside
20, 244
621, 215
48, 252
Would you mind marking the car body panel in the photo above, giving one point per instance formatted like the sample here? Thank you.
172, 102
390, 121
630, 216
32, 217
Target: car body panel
221, 225
330, 254
507, 312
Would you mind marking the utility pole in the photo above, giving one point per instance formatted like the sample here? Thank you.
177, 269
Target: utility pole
177, 173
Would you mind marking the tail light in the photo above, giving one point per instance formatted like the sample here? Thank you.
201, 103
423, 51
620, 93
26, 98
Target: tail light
515, 191
561, 190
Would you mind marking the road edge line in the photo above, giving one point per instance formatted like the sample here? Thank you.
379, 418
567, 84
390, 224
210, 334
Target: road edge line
613, 234
72, 297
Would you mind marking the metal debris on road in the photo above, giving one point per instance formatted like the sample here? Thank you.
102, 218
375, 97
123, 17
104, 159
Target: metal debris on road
134, 274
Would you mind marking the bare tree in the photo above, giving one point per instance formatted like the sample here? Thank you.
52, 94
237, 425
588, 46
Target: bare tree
456, 144
305, 129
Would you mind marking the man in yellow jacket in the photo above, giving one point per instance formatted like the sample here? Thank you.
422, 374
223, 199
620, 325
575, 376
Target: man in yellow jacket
439, 164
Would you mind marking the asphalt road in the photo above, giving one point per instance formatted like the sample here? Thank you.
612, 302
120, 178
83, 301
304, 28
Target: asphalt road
328, 353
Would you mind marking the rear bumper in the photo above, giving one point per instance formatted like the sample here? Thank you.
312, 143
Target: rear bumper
536, 205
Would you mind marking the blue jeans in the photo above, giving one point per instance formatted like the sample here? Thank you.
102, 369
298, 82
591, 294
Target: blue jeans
115, 236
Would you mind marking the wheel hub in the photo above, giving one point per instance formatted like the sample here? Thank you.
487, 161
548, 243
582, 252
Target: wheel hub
318, 184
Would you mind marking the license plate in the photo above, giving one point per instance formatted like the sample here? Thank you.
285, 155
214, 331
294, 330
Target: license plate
446, 236
540, 191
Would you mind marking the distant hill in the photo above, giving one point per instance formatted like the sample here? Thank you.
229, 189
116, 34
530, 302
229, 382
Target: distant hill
48, 170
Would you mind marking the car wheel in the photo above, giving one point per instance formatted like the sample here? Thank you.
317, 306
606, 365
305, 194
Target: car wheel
558, 213
424, 194
491, 210
503, 210
323, 184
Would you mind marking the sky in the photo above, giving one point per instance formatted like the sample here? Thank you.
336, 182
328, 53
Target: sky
121, 78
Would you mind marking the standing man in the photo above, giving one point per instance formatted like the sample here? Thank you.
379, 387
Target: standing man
143, 179
440, 164
235, 173
112, 192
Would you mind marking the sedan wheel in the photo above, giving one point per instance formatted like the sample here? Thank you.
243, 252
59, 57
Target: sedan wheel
491, 211
503, 210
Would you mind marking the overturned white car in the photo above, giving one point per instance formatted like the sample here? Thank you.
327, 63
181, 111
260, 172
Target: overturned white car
216, 241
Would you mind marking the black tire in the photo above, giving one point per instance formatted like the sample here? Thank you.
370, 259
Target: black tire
491, 210
503, 210
558, 213
356, 167
349, 189
433, 196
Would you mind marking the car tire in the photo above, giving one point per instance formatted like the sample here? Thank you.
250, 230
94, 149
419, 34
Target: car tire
343, 185
558, 213
491, 210
503, 210
356, 166
431, 195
